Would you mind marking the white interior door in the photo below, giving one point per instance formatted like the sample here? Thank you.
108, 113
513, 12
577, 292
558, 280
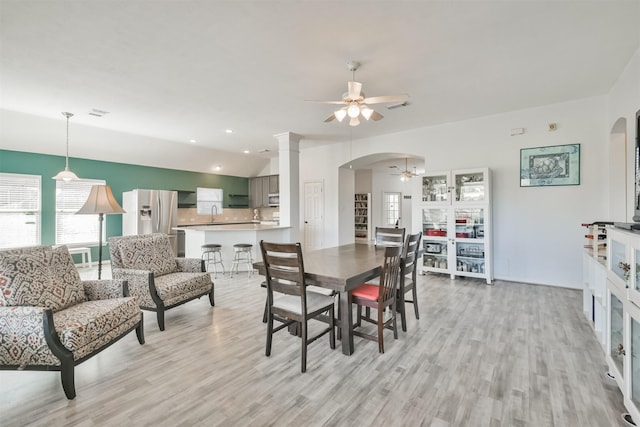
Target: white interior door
313, 214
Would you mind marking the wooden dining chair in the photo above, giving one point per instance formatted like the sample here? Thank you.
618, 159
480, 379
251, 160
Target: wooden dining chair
387, 236
380, 297
408, 274
288, 301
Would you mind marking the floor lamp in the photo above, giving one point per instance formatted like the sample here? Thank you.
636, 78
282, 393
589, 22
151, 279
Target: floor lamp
100, 202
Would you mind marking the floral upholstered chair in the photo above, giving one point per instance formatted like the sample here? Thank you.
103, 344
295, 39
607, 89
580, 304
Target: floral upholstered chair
51, 320
157, 278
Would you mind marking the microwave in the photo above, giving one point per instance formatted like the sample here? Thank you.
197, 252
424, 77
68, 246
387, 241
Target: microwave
274, 200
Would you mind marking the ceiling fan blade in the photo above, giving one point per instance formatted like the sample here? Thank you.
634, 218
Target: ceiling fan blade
385, 99
376, 116
325, 102
354, 89
330, 118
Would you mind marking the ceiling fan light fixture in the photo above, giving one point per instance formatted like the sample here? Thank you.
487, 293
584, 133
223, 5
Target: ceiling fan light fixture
354, 121
353, 111
366, 112
340, 114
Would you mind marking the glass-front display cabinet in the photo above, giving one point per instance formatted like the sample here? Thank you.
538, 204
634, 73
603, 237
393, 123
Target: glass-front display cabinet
618, 262
434, 237
469, 241
631, 390
470, 186
456, 233
436, 188
457, 186
615, 336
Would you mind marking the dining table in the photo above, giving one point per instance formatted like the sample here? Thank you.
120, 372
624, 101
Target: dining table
341, 269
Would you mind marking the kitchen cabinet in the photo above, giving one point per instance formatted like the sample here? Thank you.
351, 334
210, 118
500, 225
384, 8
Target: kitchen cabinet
456, 223
259, 189
186, 199
274, 184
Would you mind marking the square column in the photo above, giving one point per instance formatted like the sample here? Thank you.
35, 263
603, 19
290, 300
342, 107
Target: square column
289, 164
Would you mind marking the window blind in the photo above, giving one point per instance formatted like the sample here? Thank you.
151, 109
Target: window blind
72, 229
19, 210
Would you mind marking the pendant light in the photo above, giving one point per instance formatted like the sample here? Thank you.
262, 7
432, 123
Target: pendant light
66, 174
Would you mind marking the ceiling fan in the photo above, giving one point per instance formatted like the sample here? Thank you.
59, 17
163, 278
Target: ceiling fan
355, 104
405, 175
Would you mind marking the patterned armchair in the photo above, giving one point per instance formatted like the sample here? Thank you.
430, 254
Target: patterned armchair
51, 320
158, 279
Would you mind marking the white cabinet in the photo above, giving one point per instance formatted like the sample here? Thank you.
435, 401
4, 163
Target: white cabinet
456, 223
596, 301
362, 217
631, 354
622, 349
458, 186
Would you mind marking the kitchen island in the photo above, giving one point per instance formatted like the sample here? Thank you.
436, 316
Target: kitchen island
228, 235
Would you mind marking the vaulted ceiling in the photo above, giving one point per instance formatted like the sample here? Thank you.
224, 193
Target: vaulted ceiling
189, 70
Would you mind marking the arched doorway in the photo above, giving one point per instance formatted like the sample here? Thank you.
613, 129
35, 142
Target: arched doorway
380, 175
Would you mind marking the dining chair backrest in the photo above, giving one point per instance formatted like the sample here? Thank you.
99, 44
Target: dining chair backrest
284, 269
390, 273
387, 236
410, 254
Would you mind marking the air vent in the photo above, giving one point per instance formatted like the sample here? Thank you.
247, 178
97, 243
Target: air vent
394, 106
98, 113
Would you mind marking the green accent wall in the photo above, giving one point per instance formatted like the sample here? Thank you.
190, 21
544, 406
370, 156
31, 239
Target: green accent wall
119, 176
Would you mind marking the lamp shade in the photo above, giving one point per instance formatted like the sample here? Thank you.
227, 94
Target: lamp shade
101, 201
66, 175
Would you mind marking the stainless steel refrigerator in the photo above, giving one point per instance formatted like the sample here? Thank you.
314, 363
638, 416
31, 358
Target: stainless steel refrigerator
151, 211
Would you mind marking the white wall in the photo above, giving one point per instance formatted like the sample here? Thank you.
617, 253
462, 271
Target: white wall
537, 233
623, 101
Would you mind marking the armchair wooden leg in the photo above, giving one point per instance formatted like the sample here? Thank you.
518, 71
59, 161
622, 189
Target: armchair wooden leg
140, 330
160, 317
211, 300
67, 377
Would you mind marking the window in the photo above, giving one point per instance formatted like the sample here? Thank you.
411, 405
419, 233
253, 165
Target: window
390, 208
72, 229
19, 210
209, 201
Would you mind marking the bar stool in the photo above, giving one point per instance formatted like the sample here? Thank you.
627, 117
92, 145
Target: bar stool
211, 255
242, 255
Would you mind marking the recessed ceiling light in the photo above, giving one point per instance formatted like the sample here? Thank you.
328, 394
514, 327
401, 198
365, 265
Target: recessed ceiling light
217, 167
229, 131
246, 151
193, 141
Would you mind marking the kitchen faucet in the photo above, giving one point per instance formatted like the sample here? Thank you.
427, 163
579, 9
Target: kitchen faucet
214, 207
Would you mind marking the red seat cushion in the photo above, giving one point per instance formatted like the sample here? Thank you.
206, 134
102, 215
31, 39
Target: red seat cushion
367, 291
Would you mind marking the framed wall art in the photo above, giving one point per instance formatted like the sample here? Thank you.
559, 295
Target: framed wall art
547, 166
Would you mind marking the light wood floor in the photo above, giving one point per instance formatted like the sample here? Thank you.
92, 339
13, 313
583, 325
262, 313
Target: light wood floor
504, 355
